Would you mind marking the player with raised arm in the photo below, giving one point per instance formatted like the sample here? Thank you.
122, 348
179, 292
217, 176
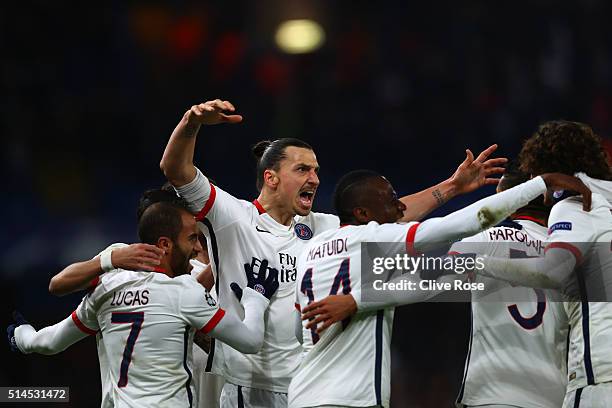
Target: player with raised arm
148, 319
509, 334
352, 367
276, 226
577, 257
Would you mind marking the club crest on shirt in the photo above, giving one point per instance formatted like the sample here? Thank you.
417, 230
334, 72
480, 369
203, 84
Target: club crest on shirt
303, 231
564, 225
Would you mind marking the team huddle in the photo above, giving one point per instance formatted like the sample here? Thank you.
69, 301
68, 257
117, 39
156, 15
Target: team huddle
236, 303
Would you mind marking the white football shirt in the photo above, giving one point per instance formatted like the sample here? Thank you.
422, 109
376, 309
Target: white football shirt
351, 368
238, 233
147, 321
517, 348
588, 236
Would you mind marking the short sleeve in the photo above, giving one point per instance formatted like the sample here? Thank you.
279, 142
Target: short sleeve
198, 309
398, 233
570, 228
85, 316
473, 244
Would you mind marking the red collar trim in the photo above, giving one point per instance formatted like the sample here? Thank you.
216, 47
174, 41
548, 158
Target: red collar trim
259, 207
528, 218
158, 269
344, 225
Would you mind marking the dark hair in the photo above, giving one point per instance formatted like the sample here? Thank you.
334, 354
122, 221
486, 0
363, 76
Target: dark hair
565, 147
270, 154
161, 219
347, 193
513, 176
165, 194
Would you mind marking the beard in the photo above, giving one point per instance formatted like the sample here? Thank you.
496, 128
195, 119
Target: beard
180, 261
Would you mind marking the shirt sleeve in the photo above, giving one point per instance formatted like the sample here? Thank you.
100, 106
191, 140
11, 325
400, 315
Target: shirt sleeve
48, 340
210, 202
197, 309
570, 228
85, 316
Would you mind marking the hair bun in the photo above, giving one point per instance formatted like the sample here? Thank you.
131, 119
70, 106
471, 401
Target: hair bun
259, 148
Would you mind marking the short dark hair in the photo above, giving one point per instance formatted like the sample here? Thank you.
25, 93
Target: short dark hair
269, 154
164, 194
347, 194
160, 219
565, 147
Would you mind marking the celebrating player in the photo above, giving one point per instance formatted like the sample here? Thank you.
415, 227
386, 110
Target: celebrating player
352, 368
148, 319
276, 226
508, 333
577, 241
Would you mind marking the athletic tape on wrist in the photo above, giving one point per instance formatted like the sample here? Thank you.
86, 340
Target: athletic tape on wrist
106, 262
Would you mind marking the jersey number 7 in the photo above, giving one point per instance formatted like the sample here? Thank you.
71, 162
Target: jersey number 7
135, 319
343, 277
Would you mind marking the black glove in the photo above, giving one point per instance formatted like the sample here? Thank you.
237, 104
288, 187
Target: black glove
10, 331
266, 285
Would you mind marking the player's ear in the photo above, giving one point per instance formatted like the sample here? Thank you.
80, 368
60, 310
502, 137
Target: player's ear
362, 215
270, 178
165, 244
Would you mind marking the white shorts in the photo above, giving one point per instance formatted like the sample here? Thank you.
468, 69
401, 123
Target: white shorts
208, 385
237, 396
591, 396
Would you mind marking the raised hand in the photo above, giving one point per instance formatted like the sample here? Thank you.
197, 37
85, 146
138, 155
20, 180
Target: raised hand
329, 310
559, 181
213, 112
475, 173
137, 257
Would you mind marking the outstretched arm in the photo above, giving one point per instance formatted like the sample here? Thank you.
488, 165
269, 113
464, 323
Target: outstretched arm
470, 175
79, 275
49, 340
177, 161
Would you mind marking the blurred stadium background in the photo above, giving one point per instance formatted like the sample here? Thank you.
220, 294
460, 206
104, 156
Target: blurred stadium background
90, 94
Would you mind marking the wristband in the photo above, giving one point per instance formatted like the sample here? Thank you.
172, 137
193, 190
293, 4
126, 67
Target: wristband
106, 262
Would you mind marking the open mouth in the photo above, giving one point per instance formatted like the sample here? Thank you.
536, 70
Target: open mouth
306, 197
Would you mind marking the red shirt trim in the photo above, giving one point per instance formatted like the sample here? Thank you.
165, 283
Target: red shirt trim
567, 246
209, 203
298, 307
213, 322
80, 325
410, 239
529, 218
259, 207
94, 282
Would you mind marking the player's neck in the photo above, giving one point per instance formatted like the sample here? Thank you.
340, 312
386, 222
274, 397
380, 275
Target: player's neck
535, 216
270, 203
165, 268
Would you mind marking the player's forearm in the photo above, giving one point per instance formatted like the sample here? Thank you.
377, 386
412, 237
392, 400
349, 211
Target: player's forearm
49, 340
177, 161
245, 336
418, 205
477, 217
75, 277
549, 272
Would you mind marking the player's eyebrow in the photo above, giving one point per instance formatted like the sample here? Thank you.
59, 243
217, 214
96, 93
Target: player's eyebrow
308, 166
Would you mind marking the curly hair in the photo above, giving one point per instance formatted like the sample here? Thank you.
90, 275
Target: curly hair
565, 147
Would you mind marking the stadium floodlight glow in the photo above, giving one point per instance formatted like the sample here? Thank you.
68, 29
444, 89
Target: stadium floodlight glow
299, 36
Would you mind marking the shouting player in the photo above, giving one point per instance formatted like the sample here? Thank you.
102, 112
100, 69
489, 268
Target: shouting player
276, 226
577, 257
148, 319
352, 368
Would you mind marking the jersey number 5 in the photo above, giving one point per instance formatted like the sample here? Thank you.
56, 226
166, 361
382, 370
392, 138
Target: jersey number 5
528, 323
135, 319
343, 278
